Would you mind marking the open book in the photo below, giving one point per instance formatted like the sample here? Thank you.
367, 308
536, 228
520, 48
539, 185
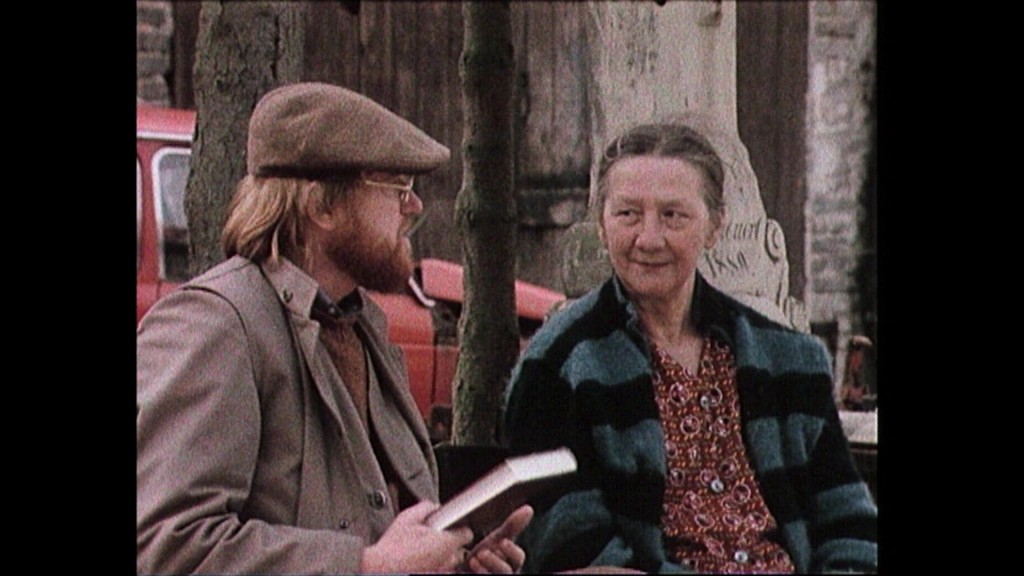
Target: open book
485, 504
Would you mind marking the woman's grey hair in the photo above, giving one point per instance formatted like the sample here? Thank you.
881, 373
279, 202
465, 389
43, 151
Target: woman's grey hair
669, 140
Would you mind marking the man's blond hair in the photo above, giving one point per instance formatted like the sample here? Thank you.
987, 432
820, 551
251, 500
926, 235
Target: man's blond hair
266, 218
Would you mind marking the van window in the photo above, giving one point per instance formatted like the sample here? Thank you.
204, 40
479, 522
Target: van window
170, 176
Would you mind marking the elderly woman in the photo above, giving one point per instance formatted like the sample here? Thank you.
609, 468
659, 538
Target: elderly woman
707, 435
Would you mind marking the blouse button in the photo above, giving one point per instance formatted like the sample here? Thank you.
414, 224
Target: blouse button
717, 486
343, 525
705, 402
741, 556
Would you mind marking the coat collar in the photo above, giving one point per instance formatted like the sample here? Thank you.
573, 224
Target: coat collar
299, 293
296, 290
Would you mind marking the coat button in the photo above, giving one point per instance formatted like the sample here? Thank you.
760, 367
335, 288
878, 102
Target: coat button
343, 525
741, 556
378, 499
287, 295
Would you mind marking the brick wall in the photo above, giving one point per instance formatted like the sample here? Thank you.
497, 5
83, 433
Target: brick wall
153, 29
841, 58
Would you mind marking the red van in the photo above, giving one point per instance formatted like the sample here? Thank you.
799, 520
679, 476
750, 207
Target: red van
423, 320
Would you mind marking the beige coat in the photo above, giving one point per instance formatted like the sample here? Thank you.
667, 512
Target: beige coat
248, 459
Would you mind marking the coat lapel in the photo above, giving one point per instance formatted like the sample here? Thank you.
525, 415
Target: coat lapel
402, 433
296, 291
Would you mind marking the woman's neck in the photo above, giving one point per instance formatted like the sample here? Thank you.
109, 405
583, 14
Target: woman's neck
668, 322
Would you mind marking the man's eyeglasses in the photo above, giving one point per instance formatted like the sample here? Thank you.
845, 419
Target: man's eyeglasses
404, 188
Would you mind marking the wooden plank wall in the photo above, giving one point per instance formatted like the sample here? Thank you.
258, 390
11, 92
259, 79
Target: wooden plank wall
551, 59
552, 132
405, 55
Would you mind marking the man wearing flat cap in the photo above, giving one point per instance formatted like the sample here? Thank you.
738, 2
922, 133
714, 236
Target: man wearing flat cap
275, 429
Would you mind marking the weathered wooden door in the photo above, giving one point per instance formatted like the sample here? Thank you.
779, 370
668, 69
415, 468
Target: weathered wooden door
405, 55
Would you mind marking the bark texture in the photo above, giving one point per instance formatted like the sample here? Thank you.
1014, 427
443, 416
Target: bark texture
485, 211
243, 50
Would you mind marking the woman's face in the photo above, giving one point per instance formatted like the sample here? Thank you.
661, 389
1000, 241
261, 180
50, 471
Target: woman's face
655, 225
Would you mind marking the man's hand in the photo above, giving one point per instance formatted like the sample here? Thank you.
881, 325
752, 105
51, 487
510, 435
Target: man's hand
410, 546
498, 553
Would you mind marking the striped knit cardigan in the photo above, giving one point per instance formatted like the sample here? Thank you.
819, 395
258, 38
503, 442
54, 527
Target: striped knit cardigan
585, 382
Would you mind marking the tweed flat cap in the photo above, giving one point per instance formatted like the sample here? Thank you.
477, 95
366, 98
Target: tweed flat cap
313, 130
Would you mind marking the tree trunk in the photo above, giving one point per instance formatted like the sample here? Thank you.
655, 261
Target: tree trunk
485, 211
243, 50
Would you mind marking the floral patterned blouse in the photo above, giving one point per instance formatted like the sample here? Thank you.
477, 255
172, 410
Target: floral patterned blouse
714, 518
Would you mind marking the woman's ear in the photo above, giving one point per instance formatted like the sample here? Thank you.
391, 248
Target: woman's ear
718, 221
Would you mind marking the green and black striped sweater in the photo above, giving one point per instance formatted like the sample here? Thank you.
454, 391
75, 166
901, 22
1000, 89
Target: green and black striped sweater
585, 382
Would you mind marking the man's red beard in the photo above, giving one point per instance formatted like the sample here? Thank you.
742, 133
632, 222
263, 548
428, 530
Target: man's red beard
384, 266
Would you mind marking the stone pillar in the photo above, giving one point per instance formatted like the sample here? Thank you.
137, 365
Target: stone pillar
653, 62
154, 26
648, 61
